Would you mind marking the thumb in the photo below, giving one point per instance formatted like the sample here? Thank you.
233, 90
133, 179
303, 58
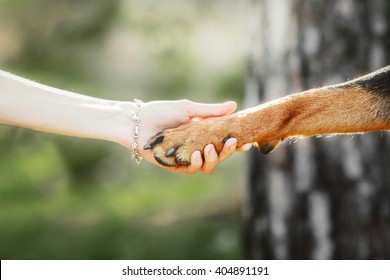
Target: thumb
203, 110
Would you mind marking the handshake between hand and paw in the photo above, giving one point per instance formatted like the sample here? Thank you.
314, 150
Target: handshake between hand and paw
175, 146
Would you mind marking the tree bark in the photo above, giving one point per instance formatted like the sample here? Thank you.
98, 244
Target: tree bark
318, 198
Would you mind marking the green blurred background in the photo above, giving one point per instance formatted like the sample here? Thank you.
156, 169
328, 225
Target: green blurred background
68, 198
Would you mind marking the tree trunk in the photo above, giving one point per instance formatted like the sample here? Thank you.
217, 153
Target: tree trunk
318, 198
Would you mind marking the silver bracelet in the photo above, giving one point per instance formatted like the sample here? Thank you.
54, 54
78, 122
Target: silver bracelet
136, 119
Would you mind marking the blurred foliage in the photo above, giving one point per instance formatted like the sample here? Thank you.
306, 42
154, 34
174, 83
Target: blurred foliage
68, 198
50, 30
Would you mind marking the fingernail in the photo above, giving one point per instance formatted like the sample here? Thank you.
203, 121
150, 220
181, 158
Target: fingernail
197, 154
226, 138
229, 102
208, 149
247, 147
233, 144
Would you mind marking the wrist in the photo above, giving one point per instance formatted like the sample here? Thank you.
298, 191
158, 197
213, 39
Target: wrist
121, 127
129, 125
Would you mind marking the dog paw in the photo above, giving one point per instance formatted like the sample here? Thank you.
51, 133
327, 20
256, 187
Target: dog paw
175, 146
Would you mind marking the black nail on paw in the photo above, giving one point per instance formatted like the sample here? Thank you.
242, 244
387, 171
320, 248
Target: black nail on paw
148, 146
171, 151
158, 140
226, 138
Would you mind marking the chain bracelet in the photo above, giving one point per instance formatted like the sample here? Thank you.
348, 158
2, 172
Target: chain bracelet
136, 120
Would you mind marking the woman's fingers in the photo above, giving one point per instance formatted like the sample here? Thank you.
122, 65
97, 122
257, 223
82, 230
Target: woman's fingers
210, 159
194, 167
203, 110
245, 147
228, 149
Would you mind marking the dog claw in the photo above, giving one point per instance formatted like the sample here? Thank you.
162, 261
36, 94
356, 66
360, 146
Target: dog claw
171, 151
148, 146
158, 139
226, 138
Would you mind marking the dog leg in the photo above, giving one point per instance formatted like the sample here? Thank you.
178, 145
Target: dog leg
358, 106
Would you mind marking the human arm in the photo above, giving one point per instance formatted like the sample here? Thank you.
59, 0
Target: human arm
32, 105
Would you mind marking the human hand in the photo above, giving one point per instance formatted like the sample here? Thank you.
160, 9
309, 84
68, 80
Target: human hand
157, 116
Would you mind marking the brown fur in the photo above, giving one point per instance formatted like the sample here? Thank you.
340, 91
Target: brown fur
359, 106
